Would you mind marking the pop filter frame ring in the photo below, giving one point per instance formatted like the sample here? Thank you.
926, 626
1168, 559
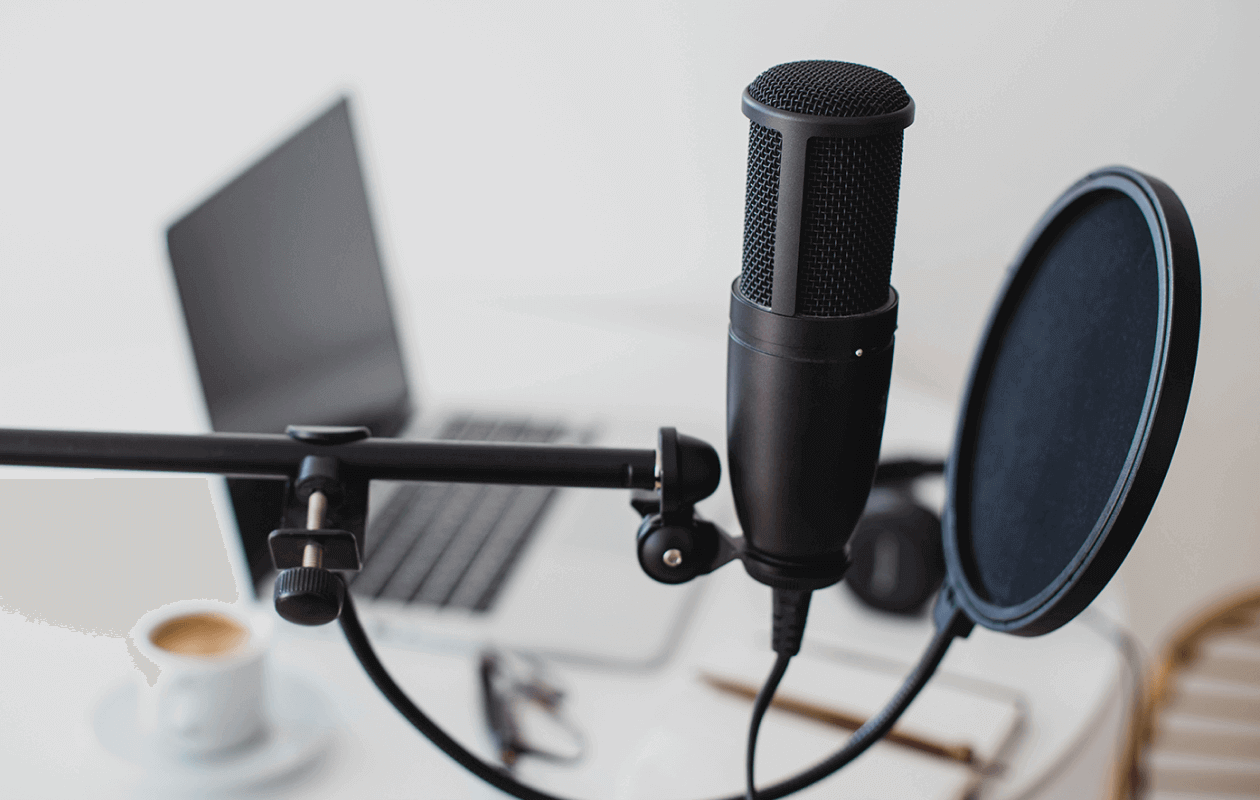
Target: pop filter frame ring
1159, 424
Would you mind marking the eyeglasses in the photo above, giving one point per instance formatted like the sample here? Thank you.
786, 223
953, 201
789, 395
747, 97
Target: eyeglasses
523, 709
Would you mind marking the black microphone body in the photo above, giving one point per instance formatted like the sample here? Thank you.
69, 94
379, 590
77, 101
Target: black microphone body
813, 314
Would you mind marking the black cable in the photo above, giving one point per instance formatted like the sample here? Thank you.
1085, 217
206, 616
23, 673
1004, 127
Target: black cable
760, 706
372, 665
865, 736
876, 727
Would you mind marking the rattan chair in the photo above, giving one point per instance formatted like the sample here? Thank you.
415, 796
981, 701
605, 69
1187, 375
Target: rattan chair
1197, 730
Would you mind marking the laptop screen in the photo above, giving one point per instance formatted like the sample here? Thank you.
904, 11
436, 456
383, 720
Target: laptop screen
286, 307
285, 302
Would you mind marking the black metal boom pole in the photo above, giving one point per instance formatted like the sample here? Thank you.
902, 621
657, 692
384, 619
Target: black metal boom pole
279, 456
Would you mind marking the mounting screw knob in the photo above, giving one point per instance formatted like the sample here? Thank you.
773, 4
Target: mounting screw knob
667, 552
309, 595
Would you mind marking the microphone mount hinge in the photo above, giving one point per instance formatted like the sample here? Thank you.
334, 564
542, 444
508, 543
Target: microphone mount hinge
678, 545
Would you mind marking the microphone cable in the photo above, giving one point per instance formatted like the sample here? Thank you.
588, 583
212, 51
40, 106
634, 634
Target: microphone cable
760, 705
791, 609
876, 727
862, 739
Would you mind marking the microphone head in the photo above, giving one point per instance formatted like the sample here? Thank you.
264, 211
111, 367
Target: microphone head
824, 172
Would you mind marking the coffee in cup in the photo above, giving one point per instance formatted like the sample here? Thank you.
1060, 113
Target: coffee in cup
204, 635
209, 696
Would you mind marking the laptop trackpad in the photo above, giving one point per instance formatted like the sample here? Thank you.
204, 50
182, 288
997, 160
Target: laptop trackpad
576, 595
580, 592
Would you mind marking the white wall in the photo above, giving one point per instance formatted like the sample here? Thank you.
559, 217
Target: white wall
586, 162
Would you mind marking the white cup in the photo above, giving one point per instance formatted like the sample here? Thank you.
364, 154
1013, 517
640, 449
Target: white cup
208, 698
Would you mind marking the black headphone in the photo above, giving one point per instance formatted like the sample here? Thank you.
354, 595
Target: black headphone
896, 559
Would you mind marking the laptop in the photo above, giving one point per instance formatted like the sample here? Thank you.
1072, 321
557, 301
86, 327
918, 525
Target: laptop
290, 321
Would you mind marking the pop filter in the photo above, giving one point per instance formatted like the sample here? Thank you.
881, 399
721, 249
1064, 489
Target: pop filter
1075, 404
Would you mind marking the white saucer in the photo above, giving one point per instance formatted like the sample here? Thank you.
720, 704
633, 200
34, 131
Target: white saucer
299, 729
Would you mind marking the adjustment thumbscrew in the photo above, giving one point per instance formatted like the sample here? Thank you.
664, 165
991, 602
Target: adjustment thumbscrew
310, 594
316, 510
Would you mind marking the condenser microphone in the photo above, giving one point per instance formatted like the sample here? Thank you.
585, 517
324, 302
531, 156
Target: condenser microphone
812, 313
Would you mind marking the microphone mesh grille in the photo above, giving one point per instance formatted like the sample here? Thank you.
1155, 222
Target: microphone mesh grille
761, 200
848, 225
849, 208
829, 89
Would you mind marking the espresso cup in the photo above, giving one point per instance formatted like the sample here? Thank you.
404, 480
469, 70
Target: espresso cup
208, 698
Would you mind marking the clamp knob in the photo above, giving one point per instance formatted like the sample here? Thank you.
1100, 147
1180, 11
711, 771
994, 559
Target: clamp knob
309, 595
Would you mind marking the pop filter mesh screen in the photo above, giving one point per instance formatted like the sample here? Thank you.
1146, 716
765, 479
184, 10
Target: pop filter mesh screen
1064, 399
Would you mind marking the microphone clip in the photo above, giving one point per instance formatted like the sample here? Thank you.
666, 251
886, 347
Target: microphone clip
676, 547
674, 543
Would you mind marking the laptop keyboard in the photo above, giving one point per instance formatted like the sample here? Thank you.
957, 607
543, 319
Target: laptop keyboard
454, 544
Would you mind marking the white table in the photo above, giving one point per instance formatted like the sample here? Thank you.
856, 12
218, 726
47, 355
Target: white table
660, 362
54, 678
